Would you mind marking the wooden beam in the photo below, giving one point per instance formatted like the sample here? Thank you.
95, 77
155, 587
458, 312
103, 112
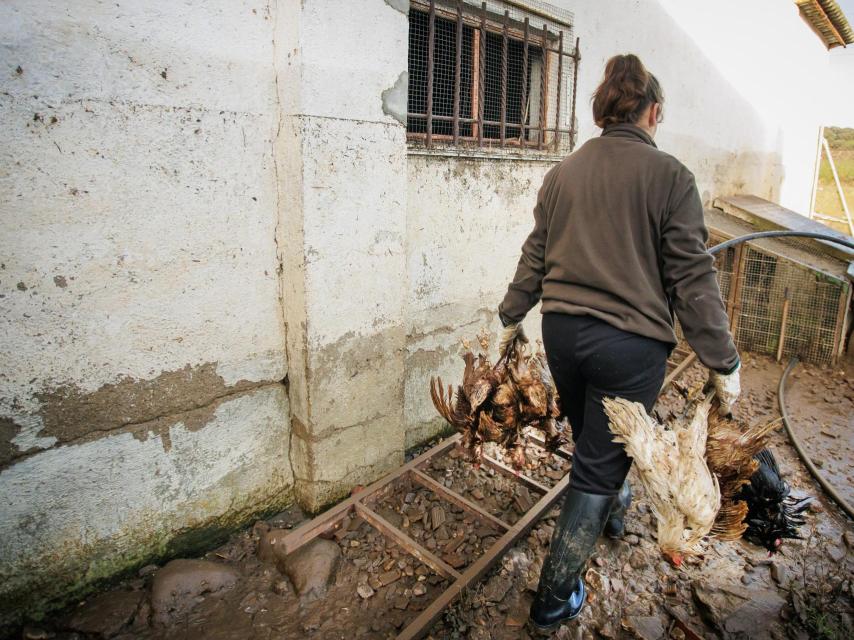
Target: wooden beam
421, 625
461, 501
329, 518
386, 528
687, 362
512, 473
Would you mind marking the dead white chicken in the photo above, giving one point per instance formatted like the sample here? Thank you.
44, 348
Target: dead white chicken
683, 493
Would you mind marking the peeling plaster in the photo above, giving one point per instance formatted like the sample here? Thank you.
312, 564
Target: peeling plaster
395, 98
67, 413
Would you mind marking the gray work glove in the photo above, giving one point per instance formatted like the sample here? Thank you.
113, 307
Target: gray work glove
509, 334
727, 388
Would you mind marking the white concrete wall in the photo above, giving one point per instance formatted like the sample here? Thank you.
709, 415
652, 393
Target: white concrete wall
344, 275
840, 89
139, 282
466, 221
745, 87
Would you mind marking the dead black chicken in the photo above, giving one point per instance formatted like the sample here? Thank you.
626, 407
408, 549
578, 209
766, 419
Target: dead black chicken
773, 515
496, 402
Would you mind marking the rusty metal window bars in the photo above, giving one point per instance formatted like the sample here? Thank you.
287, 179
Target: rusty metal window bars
481, 79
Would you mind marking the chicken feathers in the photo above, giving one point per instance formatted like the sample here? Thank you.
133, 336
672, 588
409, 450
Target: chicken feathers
494, 403
684, 495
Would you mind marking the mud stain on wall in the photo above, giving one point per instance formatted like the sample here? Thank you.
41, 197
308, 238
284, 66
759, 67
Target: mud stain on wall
69, 414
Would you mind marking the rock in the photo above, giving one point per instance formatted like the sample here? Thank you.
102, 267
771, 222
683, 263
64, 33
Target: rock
496, 588
387, 577
644, 627
734, 610
311, 568
779, 574
177, 585
632, 539
848, 538
270, 546
105, 614
479, 633
35, 633
517, 616
281, 587
638, 559
365, 591
147, 570
597, 582
419, 589
836, 553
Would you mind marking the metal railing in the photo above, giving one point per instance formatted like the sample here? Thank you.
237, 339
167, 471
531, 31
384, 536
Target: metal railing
457, 61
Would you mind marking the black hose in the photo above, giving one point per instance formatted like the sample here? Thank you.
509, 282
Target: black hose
781, 234
845, 506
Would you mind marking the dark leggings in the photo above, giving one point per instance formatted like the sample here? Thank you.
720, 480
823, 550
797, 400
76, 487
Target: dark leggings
590, 360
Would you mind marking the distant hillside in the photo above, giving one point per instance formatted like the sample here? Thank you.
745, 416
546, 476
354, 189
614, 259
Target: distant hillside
841, 143
839, 137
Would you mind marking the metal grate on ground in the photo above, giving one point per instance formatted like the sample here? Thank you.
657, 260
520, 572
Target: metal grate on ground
491, 75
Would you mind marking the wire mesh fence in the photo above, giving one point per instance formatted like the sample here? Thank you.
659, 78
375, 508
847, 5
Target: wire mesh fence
774, 301
491, 75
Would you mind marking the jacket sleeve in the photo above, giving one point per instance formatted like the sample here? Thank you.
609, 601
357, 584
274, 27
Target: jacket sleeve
527, 285
689, 278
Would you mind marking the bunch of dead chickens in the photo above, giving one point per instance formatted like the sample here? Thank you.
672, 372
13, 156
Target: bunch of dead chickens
704, 474
495, 403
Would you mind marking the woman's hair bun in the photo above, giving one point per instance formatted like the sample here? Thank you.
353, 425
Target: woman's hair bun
625, 92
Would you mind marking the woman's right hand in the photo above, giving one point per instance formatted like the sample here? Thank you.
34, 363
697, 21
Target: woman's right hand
727, 388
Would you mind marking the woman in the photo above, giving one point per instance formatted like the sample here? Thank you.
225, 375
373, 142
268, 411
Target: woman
618, 246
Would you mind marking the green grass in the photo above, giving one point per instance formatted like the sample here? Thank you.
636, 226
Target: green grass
827, 202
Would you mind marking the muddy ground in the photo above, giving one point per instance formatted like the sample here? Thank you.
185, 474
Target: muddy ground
374, 588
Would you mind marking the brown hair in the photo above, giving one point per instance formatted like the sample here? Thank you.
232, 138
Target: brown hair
625, 92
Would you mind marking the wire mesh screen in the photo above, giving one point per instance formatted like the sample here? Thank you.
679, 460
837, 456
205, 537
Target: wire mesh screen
491, 75
772, 299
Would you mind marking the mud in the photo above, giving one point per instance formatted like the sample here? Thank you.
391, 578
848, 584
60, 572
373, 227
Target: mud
70, 414
734, 591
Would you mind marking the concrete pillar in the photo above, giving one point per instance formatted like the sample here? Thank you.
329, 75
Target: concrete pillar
341, 158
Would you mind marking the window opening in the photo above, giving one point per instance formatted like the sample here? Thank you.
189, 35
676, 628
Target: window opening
477, 78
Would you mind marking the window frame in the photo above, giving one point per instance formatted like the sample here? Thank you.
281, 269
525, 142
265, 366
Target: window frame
551, 48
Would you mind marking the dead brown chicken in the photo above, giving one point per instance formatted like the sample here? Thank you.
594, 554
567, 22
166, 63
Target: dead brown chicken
731, 449
494, 403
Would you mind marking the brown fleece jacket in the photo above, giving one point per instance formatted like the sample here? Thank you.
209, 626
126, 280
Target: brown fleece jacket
619, 235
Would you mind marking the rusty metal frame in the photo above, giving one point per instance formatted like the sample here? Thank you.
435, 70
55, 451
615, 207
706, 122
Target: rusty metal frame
361, 503
481, 25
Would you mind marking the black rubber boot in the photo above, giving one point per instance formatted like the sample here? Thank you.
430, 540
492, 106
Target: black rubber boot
615, 527
561, 594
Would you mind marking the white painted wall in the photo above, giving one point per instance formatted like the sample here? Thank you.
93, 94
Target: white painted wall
839, 95
744, 87
344, 284
138, 214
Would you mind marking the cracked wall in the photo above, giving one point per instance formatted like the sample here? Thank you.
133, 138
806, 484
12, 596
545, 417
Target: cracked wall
141, 394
